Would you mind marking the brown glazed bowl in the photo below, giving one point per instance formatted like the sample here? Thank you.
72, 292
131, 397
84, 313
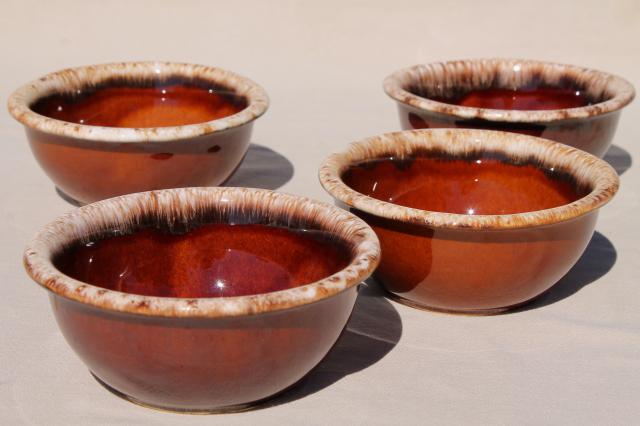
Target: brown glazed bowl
466, 252
136, 145
420, 90
203, 354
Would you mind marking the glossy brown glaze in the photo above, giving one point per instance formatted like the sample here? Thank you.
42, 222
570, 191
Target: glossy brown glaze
418, 262
474, 185
204, 354
88, 171
471, 221
568, 104
194, 365
106, 130
593, 135
161, 104
475, 272
524, 99
213, 260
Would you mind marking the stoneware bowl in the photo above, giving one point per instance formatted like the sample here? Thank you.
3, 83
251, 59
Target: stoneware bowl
112, 129
433, 96
471, 221
204, 354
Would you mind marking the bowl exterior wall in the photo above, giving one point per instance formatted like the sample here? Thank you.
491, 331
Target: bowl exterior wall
593, 135
89, 171
203, 364
476, 271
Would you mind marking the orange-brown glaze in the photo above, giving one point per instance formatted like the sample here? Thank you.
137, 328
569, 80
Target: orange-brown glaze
111, 129
593, 134
210, 353
161, 105
524, 99
476, 185
88, 171
212, 260
193, 364
463, 270
565, 103
534, 202
476, 271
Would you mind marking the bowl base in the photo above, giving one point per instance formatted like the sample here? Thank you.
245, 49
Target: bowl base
222, 410
68, 198
470, 312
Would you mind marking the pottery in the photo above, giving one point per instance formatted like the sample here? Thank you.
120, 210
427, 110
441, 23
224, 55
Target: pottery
429, 96
471, 221
204, 354
120, 128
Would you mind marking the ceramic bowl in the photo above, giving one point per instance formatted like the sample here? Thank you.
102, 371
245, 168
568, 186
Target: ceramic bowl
204, 354
135, 143
471, 221
422, 93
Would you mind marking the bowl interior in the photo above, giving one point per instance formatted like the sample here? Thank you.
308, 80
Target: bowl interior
142, 101
212, 255
509, 85
476, 183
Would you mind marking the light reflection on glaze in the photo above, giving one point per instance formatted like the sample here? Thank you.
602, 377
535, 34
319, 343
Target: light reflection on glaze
213, 260
142, 107
523, 99
474, 186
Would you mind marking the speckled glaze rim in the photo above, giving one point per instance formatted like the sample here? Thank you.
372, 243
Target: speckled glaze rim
618, 91
583, 167
184, 205
72, 79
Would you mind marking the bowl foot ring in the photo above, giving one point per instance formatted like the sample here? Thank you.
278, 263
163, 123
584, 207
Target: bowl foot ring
469, 312
68, 198
230, 409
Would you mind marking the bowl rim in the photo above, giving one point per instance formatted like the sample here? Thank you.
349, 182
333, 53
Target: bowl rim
75, 78
583, 166
182, 204
622, 90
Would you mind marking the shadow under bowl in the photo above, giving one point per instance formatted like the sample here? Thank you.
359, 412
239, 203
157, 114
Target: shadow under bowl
104, 130
188, 319
568, 104
471, 221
